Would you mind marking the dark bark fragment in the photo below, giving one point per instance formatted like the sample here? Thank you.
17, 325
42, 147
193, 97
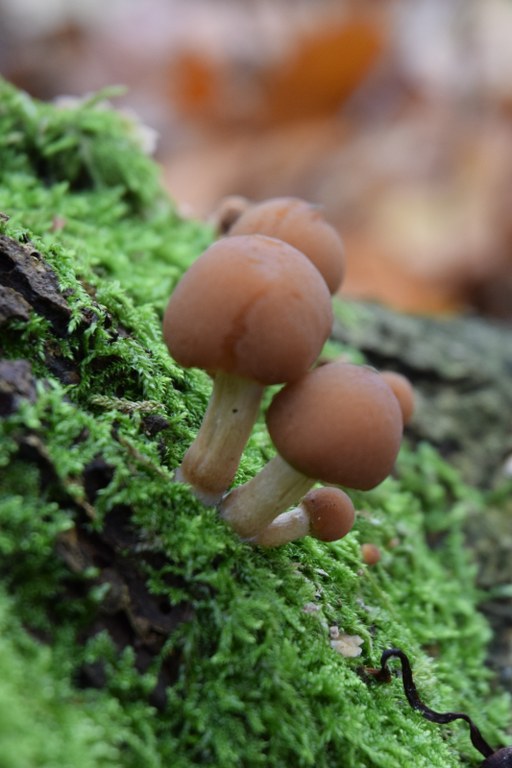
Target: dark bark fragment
97, 475
131, 614
12, 305
16, 384
23, 270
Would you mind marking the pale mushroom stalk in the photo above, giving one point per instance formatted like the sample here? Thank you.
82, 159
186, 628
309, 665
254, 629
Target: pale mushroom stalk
210, 463
252, 506
326, 514
288, 526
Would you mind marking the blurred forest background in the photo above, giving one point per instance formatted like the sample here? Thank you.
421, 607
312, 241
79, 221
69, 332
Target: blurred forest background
394, 115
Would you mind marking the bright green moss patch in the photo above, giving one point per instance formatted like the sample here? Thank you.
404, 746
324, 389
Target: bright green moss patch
220, 654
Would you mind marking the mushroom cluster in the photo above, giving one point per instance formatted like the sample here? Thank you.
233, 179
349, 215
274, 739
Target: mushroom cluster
303, 226
339, 424
255, 310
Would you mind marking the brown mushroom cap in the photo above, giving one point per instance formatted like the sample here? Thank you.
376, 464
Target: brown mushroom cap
228, 211
370, 553
302, 225
330, 511
403, 391
340, 423
252, 306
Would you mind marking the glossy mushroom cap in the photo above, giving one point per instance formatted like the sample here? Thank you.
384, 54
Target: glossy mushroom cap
251, 306
403, 391
339, 423
331, 513
303, 226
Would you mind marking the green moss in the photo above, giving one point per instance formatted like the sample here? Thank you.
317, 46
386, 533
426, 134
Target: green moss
44, 722
256, 681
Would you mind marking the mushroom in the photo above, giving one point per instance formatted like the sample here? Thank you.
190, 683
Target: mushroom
370, 553
302, 225
227, 212
340, 424
403, 391
324, 513
252, 311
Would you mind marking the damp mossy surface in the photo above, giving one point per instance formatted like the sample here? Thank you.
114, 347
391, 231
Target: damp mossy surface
256, 680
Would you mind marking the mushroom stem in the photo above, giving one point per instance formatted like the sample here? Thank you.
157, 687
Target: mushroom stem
288, 526
326, 514
252, 506
210, 464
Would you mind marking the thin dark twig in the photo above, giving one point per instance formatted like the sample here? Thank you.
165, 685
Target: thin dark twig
414, 700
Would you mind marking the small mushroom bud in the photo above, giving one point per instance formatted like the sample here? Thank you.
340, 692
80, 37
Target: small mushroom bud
252, 311
340, 424
302, 225
403, 391
370, 553
326, 514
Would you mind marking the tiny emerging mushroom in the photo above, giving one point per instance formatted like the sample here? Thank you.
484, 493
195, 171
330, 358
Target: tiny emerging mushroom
302, 225
252, 311
370, 553
326, 514
339, 423
403, 391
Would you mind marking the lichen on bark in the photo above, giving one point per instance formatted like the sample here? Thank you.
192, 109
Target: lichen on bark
146, 632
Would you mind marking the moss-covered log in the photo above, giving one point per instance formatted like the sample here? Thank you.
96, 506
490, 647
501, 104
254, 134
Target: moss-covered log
135, 628
462, 373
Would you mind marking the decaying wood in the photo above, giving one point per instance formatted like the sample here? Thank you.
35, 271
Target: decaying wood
129, 612
27, 280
